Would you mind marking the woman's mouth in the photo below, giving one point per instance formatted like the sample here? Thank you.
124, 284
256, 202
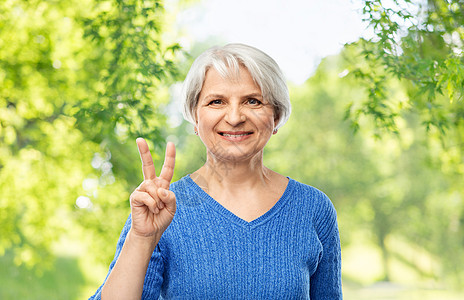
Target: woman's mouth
235, 136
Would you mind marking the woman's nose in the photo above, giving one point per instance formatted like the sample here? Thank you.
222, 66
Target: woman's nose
235, 116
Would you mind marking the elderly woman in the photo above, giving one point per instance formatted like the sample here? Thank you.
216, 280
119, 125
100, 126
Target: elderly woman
233, 229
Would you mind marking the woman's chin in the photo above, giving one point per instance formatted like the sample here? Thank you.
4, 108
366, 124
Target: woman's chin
236, 155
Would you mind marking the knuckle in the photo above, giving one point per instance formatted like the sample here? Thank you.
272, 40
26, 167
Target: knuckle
133, 195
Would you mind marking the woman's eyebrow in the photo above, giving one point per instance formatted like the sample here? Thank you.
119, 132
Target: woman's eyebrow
209, 96
255, 95
251, 95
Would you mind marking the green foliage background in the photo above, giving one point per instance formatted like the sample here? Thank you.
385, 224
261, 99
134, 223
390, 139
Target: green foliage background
378, 128
78, 80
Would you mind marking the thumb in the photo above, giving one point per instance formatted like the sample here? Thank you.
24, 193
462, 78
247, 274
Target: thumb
168, 198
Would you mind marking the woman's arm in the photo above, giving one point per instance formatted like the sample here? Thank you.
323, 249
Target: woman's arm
326, 282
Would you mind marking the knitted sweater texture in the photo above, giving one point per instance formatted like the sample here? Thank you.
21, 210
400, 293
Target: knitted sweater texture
207, 252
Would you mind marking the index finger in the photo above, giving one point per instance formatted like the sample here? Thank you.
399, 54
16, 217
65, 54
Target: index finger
148, 168
169, 161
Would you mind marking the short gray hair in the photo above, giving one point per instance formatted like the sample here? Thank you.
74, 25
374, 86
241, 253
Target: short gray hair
227, 59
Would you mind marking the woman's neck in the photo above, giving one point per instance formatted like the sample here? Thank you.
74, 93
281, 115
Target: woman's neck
231, 175
246, 188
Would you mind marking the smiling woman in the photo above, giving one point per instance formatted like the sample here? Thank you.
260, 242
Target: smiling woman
233, 229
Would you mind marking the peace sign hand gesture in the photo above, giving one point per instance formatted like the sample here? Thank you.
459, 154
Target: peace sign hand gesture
153, 205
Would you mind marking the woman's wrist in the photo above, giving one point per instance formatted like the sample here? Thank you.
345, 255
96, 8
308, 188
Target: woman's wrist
143, 242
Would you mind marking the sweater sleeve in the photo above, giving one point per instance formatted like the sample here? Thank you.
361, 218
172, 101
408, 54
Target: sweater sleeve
326, 282
153, 277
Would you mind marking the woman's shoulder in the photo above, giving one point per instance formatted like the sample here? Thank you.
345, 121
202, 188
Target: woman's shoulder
321, 207
313, 198
307, 191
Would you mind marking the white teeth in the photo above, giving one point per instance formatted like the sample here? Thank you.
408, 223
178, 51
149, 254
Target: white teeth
234, 135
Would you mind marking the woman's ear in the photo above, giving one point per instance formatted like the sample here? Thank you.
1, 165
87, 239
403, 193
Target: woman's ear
276, 120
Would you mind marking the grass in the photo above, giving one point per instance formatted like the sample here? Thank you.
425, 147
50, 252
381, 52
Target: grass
390, 291
362, 267
64, 281
73, 275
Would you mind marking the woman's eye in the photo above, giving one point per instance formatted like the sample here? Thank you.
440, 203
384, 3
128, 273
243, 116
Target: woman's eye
215, 102
254, 101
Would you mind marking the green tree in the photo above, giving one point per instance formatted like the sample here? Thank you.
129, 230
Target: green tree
421, 44
78, 80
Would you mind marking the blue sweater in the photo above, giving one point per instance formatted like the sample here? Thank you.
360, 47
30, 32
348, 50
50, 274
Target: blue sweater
290, 252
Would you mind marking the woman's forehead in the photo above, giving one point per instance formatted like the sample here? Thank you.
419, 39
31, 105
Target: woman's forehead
214, 79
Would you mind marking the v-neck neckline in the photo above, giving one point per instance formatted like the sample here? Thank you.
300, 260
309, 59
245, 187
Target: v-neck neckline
268, 215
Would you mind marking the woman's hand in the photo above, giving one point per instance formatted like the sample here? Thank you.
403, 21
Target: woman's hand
153, 205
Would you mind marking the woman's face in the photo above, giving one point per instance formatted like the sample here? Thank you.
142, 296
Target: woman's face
232, 118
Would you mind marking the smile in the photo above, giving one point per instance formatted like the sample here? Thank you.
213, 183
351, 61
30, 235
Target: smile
235, 135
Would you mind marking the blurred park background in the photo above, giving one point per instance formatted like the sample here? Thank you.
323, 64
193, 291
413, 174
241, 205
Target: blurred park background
377, 125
